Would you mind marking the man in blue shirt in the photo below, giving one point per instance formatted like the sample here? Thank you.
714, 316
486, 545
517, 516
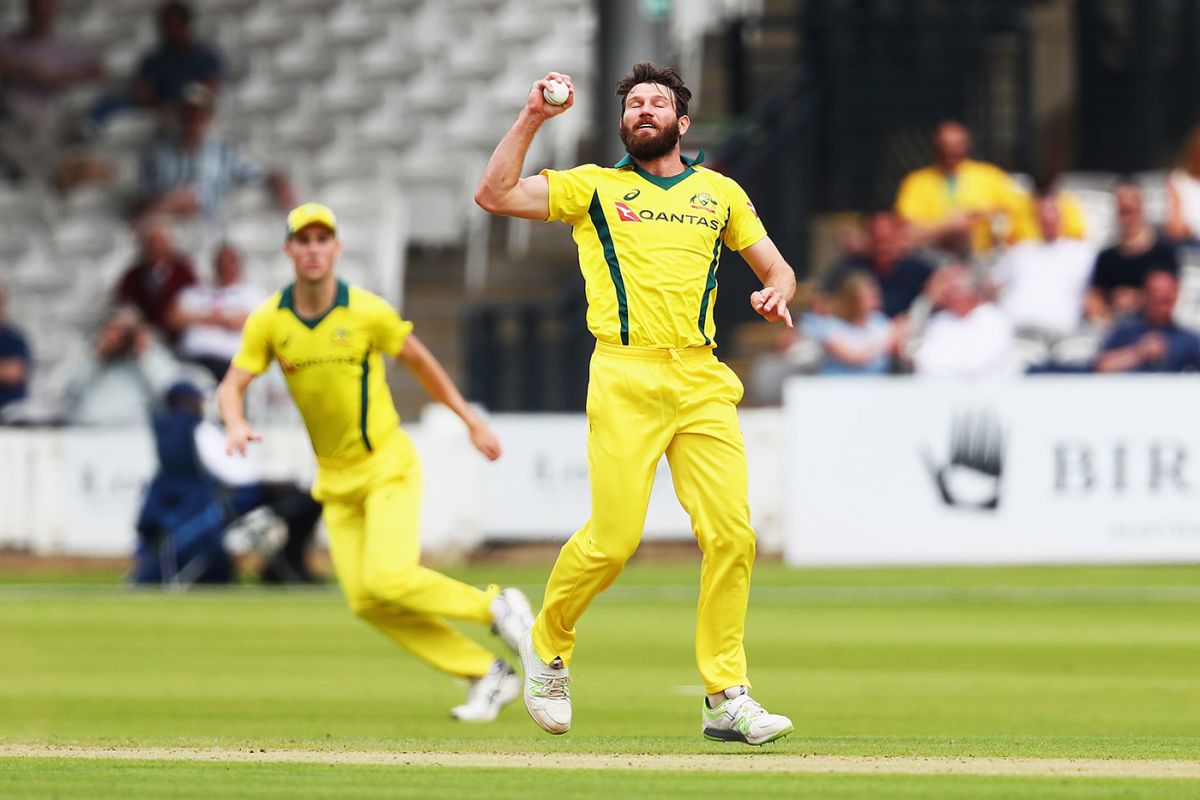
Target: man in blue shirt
14, 359
1151, 341
178, 60
902, 276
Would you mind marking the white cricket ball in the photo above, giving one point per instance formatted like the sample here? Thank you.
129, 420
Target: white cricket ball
556, 93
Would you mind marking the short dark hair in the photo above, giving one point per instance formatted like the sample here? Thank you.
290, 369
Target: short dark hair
1045, 183
176, 8
645, 72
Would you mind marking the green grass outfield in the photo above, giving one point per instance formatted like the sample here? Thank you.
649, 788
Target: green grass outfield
1014, 663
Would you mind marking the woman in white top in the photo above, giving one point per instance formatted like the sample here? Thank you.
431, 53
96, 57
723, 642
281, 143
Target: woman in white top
1183, 192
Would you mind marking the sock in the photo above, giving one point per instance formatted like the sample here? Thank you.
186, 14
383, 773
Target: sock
499, 608
717, 698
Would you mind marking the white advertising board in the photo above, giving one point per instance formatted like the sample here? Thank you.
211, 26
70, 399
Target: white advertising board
78, 491
104, 475
1053, 469
86, 498
540, 490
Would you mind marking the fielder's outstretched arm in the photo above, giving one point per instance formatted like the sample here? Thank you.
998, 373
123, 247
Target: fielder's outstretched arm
502, 190
437, 383
231, 402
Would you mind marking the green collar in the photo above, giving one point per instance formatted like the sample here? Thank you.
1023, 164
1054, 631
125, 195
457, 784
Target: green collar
658, 180
287, 299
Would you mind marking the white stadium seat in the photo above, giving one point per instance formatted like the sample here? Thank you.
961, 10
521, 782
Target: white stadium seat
269, 23
259, 234
352, 23
1154, 196
1099, 214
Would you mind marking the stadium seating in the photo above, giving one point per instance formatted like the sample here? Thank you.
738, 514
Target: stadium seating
343, 95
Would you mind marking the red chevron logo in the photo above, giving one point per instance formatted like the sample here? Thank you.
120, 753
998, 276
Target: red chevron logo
626, 213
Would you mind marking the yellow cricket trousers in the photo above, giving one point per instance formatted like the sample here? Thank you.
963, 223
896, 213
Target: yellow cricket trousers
642, 403
372, 513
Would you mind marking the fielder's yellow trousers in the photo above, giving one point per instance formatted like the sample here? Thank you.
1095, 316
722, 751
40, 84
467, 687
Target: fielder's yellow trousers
372, 512
641, 404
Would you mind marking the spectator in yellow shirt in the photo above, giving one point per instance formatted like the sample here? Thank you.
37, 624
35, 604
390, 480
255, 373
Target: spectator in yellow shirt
957, 203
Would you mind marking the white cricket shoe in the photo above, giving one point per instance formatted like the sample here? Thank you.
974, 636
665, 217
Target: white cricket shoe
741, 719
488, 694
547, 689
514, 617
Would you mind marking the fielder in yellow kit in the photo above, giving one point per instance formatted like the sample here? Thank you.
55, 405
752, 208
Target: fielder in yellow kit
330, 339
649, 232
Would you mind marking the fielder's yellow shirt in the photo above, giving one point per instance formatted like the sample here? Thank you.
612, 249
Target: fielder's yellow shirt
333, 365
928, 196
649, 247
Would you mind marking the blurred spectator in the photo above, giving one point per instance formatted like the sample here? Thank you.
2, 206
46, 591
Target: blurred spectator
956, 203
1044, 283
191, 171
1151, 341
210, 318
14, 358
1071, 220
121, 378
36, 66
1121, 270
900, 274
856, 338
153, 282
182, 520
1183, 192
201, 499
177, 60
969, 337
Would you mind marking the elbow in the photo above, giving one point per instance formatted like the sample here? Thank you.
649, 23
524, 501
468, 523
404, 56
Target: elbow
486, 199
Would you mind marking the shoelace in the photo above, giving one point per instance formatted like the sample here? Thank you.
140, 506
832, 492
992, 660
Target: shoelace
557, 688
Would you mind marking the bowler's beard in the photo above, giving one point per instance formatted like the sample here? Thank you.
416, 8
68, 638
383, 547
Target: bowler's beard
649, 148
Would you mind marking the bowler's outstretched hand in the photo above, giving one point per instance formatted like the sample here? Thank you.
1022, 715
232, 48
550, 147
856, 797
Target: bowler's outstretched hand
237, 437
771, 305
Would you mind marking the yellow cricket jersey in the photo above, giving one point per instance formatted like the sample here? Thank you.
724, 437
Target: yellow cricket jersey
649, 247
929, 196
333, 365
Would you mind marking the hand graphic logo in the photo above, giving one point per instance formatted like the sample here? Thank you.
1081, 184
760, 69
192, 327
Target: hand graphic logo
971, 477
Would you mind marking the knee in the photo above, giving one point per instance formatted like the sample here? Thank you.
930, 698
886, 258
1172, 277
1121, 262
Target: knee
612, 554
390, 584
734, 540
362, 604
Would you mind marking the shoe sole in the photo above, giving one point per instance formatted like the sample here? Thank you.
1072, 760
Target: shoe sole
727, 735
538, 722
